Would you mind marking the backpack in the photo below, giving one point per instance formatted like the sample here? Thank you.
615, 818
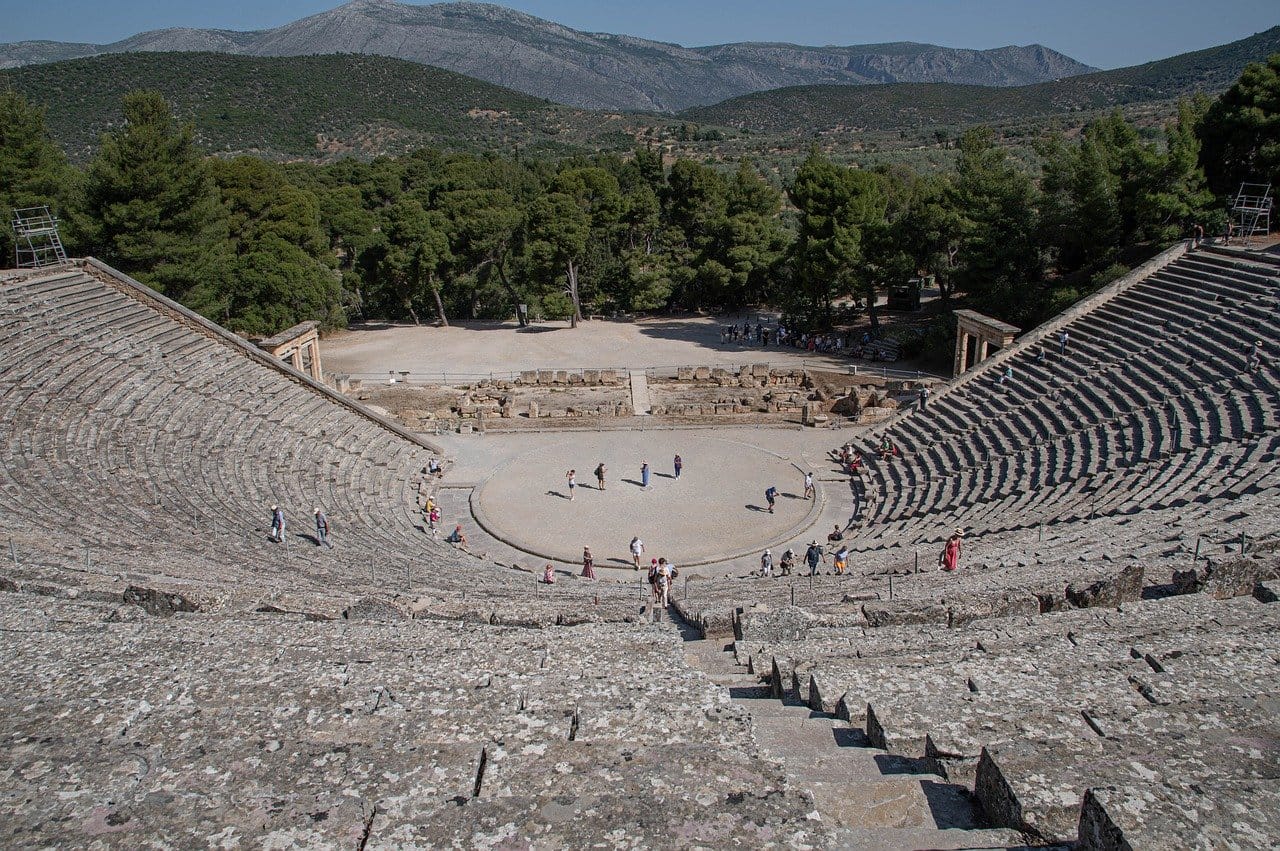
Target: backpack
599, 471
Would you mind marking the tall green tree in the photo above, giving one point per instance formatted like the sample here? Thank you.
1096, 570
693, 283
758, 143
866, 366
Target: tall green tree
1240, 132
33, 170
150, 206
999, 257
280, 268
417, 252
835, 205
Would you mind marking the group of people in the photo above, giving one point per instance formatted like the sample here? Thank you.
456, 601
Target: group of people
600, 473
278, 527
814, 555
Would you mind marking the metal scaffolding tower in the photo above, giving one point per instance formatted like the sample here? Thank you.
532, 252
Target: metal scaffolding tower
35, 239
1251, 210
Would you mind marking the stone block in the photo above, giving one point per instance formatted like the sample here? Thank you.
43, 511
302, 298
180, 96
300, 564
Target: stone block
1267, 592
562, 376
534, 413
506, 412
162, 604
976, 607
684, 373
702, 373
591, 377
1122, 587
608, 376
899, 613
546, 376
374, 609
528, 376
576, 379
1222, 580
761, 371
761, 623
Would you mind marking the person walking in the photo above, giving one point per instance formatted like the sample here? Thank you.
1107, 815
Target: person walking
813, 555
1063, 338
572, 475
644, 474
277, 524
924, 397
842, 559
664, 582
600, 471
678, 464
949, 558
588, 564
637, 548
1255, 357
809, 491
766, 563
322, 529
433, 518
771, 496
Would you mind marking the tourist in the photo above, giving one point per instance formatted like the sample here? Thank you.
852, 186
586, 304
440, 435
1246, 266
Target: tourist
322, 529
924, 397
771, 496
678, 463
809, 491
1006, 378
653, 579
1063, 338
766, 563
549, 574
842, 559
1255, 357
277, 524
887, 449
813, 555
949, 558
572, 475
433, 518
644, 474
434, 467
1197, 236
836, 534
588, 564
457, 538
600, 471
788, 561
664, 581
637, 547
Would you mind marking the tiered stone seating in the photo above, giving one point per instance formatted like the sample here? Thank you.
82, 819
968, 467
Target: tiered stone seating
1152, 397
145, 439
1172, 697
274, 729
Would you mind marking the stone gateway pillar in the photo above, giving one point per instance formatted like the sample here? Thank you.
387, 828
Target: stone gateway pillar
291, 345
985, 331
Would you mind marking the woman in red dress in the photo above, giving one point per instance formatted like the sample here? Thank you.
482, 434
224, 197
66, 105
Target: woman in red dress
950, 557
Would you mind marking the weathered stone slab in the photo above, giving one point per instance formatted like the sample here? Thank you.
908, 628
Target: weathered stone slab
1122, 587
1220, 580
160, 603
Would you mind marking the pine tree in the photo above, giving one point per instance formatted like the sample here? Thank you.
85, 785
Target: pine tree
150, 207
33, 170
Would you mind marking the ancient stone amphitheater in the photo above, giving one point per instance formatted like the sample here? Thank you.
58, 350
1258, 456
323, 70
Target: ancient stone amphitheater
1101, 673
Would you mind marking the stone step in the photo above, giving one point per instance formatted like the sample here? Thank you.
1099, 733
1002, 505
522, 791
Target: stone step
918, 839
640, 402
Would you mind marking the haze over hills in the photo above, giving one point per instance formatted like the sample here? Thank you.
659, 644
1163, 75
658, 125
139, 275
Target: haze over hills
591, 70
808, 109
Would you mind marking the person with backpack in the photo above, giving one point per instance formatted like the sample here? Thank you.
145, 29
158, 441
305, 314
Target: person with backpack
663, 582
766, 563
771, 496
679, 465
813, 555
842, 559
600, 471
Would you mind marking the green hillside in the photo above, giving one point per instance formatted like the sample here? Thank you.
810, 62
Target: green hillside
899, 106
309, 106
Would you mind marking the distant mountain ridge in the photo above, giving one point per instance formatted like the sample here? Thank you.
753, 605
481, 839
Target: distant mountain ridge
810, 109
590, 70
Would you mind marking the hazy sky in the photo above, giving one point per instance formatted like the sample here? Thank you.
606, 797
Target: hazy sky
1105, 33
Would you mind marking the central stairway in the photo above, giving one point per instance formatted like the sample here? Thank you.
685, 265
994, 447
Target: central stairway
875, 801
640, 403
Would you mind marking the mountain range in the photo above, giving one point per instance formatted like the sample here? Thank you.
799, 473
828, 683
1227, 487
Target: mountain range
590, 70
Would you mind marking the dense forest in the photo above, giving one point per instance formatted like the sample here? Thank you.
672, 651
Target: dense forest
438, 236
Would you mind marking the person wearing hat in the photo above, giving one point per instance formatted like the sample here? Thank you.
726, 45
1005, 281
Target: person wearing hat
277, 524
813, 555
788, 561
949, 558
766, 563
1255, 357
322, 529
